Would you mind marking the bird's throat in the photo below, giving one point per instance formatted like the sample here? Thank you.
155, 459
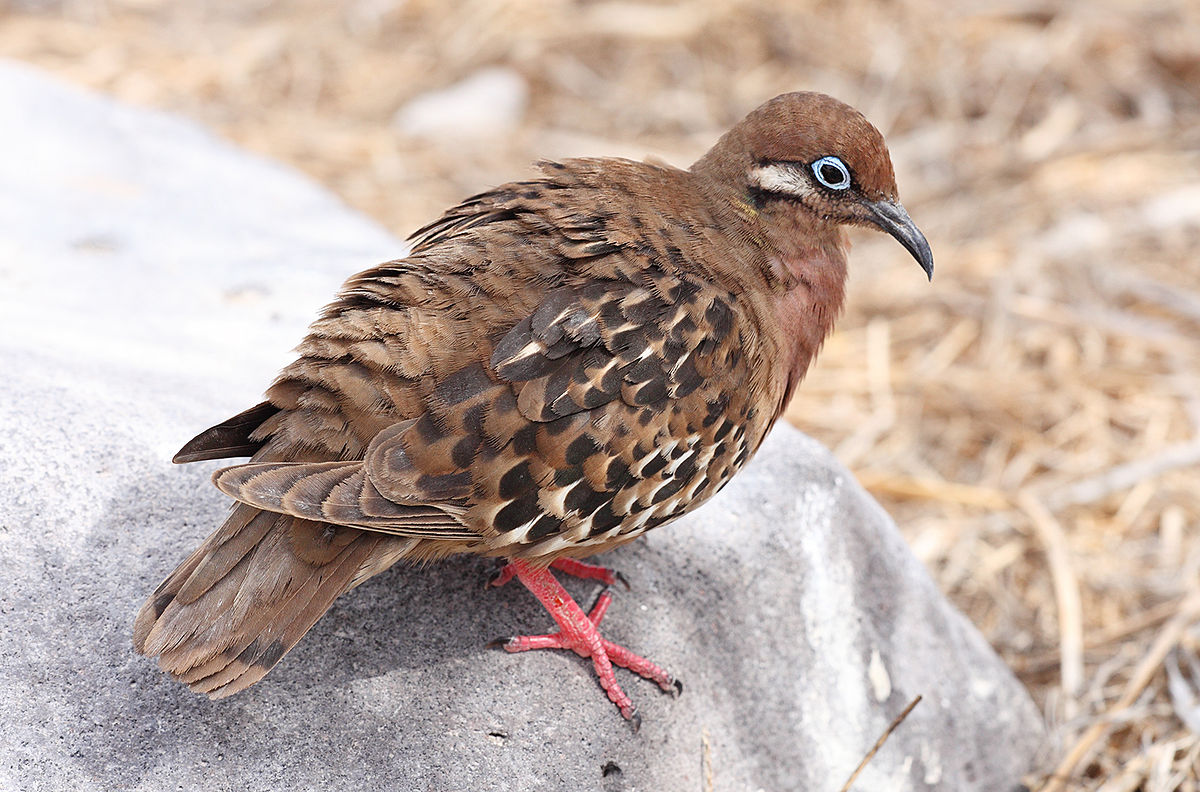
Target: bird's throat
814, 286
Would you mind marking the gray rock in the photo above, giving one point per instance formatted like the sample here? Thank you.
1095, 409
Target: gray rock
137, 254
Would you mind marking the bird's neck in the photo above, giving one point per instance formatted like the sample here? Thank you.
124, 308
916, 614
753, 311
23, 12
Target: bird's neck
801, 278
806, 280
806, 311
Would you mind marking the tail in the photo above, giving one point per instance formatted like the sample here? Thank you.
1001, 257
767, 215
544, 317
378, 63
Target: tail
247, 595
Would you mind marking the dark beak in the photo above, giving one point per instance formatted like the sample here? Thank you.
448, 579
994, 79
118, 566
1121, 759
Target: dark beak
892, 218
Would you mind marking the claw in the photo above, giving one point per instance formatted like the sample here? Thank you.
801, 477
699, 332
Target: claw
596, 614
500, 576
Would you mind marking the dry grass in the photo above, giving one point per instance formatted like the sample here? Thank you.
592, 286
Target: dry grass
1032, 420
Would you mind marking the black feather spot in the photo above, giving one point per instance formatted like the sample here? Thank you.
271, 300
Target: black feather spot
616, 475
645, 248
610, 314
545, 321
723, 430
668, 489
517, 480
579, 325
654, 334
256, 654
595, 292
683, 290
629, 343
646, 310
472, 420
560, 348
654, 465
524, 441
654, 522
463, 384
645, 369
674, 348
687, 378
545, 525
556, 427
684, 327
716, 408
719, 318
580, 449
567, 475
584, 499
463, 453
687, 469
556, 385
604, 519
594, 397
517, 513
650, 392
272, 654
509, 347
451, 485
426, 430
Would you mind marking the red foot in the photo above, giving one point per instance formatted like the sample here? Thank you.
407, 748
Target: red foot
570, 566
577, 632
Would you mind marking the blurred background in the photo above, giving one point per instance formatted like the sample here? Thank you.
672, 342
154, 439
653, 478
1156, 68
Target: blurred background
1031, 419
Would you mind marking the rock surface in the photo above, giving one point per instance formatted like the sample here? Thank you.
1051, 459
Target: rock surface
136, 253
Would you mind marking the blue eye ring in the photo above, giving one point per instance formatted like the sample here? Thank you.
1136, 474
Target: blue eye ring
831, 172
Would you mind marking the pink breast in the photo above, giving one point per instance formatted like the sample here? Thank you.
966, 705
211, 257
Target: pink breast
806, 312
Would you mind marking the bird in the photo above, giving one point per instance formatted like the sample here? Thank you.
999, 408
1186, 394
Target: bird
558, 365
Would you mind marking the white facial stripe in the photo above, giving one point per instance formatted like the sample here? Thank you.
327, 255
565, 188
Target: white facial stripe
779, 178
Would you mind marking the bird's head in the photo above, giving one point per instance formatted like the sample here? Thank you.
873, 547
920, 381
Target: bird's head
808, 152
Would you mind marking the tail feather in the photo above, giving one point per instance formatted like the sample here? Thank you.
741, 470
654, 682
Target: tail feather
223, 557
270, 644
230, 438
247, 595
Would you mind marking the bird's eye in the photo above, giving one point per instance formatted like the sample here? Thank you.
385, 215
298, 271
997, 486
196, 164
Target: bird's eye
832, 173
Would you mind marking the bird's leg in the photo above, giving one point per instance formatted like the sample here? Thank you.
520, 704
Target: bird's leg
578, 632
570, 566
